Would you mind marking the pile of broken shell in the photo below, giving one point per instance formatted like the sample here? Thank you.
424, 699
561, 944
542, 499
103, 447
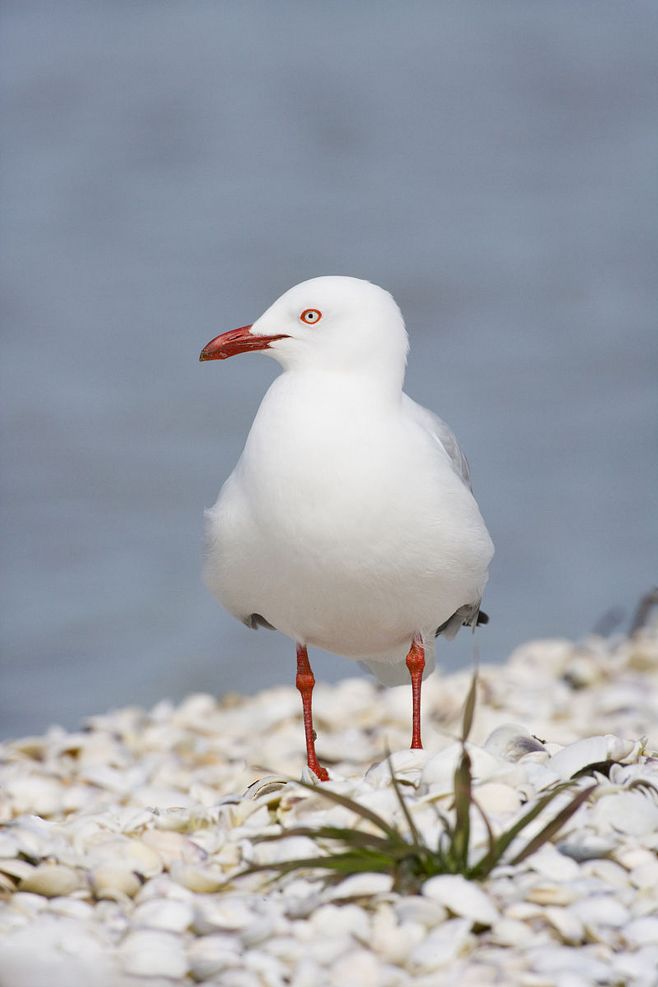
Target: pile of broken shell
119, 843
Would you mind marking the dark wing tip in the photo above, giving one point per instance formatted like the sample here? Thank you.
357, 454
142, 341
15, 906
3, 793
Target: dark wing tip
256, 620
464, 617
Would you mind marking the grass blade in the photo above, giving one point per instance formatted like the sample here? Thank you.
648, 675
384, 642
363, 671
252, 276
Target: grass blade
554, 825
353, 837
355, 862
415, 835
461, 835
469, 709
353, 806
486, 864
491, 839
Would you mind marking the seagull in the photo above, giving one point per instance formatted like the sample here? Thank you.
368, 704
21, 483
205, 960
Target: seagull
349, 522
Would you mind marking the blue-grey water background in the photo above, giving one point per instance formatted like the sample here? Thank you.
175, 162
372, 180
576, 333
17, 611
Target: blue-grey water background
170, 168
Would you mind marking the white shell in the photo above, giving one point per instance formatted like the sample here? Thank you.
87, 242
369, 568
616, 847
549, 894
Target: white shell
54, 951
495, 797
601, 910
131, 853
567, 924
438, 773
51, 880
547, 893
358, 966
267, 785
167, 914
511, 932
390, 940
71, 908
592, 750
552, 864
227, 912
557, 962
171, 846
19, 869
336, 921
642, 931
420, 910
628, 812
361, 885
35, 794
406, 765
113, 881
211, 954
201, 879
28, 903
637, 968
461, 897
147, 953
512, 742
442, 946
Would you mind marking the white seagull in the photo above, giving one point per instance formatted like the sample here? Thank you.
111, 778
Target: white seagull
349, 522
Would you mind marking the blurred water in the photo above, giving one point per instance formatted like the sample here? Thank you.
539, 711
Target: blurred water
169, 169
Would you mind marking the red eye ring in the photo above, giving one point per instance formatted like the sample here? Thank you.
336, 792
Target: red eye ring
311, 316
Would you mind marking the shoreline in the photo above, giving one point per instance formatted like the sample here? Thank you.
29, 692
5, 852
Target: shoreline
118, 840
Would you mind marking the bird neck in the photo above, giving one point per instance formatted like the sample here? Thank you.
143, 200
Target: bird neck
362, 384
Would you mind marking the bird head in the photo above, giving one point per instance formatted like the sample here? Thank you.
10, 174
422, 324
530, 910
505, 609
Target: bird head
329, 324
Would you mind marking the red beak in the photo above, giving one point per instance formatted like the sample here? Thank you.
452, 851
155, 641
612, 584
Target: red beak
235, 341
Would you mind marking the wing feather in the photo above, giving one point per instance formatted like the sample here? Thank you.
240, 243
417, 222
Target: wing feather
442, 435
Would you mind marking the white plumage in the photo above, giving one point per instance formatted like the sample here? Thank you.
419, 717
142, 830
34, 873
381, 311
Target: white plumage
349, 522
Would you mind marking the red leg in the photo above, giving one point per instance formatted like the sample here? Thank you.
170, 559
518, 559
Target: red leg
416, 664
305, 682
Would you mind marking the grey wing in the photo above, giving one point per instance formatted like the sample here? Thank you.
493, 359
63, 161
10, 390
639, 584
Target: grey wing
470, 614
443, 435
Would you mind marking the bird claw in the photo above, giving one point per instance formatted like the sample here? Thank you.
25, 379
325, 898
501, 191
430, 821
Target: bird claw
320, 773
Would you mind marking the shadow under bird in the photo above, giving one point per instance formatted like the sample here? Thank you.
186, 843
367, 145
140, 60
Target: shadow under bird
349, 522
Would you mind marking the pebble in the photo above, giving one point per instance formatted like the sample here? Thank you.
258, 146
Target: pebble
195, 878
361, 886
442, 946
462, 897
228, 912
212, 954
122, 846
51, 880
154, 954
167, 914
589, 751
114, 881
642, 931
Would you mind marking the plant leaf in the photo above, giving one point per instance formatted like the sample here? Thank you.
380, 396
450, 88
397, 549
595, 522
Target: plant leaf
491, 839
486, 863
469, 708
415, 835
354, 837
353, 806
350, 862
461, 835
554, 825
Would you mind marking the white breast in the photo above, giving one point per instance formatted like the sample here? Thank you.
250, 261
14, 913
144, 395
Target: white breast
343, 524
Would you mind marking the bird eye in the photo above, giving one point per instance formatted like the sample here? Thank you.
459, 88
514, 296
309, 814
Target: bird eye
310, 316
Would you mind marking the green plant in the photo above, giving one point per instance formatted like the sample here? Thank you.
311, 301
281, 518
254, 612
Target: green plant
405, 855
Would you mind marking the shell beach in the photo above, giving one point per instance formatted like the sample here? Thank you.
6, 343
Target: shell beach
120, 843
